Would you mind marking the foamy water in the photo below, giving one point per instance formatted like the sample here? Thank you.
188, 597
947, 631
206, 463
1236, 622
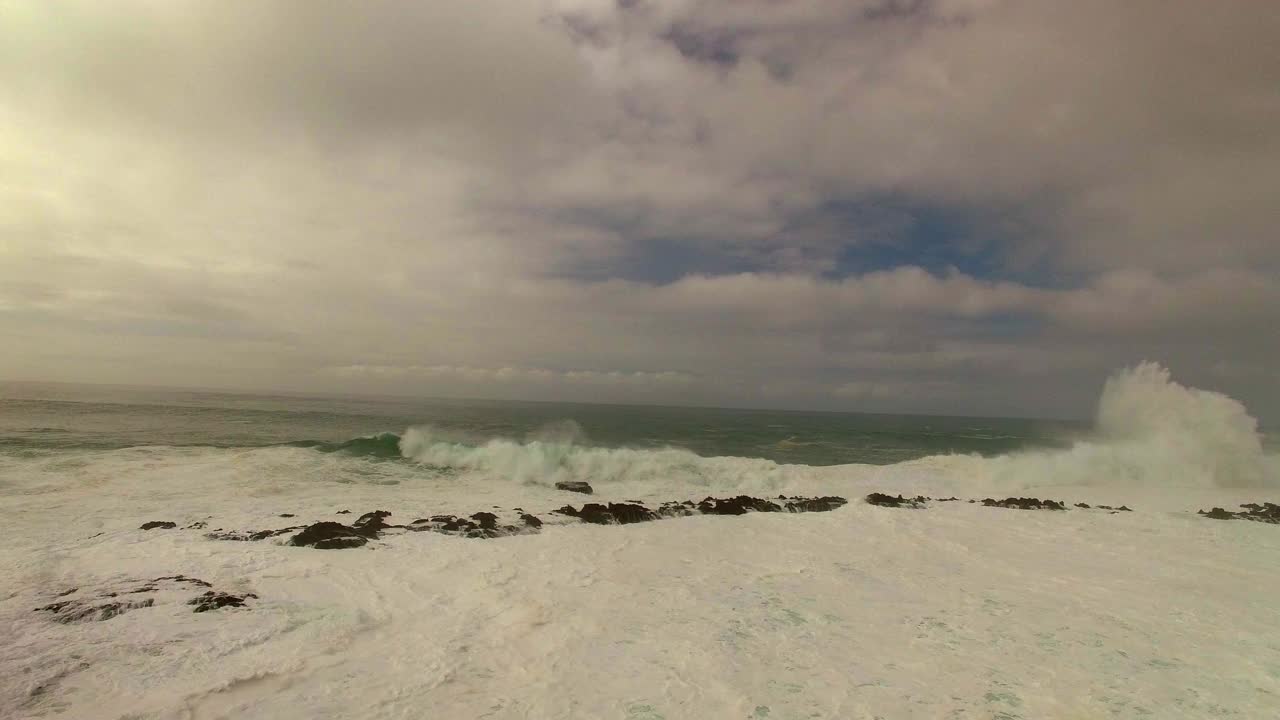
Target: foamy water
956, 611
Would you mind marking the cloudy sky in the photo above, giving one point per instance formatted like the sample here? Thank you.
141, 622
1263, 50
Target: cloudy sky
956, 206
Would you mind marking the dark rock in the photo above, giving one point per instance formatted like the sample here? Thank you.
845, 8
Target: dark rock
198, 525
244, 536
1083, 505
329, 536
158, 525
614, 514
1266, 512
486, 520
213, 600
371, 523
287, 515
480, 525
71, 611
183, 578
1219, 514
818, 504
739, 505
1025, 504
575, 486
884, 500
344, 512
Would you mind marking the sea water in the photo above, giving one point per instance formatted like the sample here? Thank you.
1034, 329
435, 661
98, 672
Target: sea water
954, 611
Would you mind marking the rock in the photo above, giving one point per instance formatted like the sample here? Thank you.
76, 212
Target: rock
213, 600
71, 611
244, 536
614, 514
818, 504
329, 536
371, 523
1083, 505
1025, 504
183, 579
884, 500
77, 605
739, 505
287, 515
486, 520
1219, 514
198, 525
158, 525
480, 525
575, 486
344, 512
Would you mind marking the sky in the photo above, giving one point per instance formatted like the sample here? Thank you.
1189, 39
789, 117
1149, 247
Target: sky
942, 206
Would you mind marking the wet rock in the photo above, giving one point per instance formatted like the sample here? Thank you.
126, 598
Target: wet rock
479, 525
1264, 512
287, 515
575, 486
1083, 505
344, 512
1025, 504
740, 505
612, 514
213, 600
77, 605
818, 504
329, 536
198, 525
371, 523
250, 535
158, 525
898, 501
72, 611
183, 579
486, 520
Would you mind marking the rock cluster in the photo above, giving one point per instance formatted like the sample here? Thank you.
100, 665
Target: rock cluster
78, 605
1265, 512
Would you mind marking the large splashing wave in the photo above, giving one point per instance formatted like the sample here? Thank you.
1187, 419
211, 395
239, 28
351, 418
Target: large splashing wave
1149, 431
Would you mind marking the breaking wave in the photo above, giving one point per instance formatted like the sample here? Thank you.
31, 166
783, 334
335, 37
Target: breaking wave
1149, 431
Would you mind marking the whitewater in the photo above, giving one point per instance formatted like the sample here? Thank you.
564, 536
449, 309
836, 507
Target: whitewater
952, 611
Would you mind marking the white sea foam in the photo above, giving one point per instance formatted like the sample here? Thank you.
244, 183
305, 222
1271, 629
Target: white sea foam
958, 610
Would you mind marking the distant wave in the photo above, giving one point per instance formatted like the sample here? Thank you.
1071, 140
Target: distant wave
1149, 431
382, 445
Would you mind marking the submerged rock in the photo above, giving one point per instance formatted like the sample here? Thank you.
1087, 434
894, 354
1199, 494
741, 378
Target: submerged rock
480, 525
213, 600
1265, 512
79, 605
575, 486
158, 525
371, 523
1025, 504
611, 514
247, 535
884, 500
329, 536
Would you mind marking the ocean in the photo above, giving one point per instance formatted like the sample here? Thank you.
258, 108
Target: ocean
949, 610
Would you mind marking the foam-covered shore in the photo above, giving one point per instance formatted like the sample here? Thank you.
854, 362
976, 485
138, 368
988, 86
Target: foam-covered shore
955, 610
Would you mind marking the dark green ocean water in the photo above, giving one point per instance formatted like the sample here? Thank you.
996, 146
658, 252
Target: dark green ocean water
42, 418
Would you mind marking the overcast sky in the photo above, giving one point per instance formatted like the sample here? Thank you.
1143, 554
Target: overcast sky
956, 206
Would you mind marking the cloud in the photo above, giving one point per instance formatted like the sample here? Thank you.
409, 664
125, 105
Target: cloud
945, 205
